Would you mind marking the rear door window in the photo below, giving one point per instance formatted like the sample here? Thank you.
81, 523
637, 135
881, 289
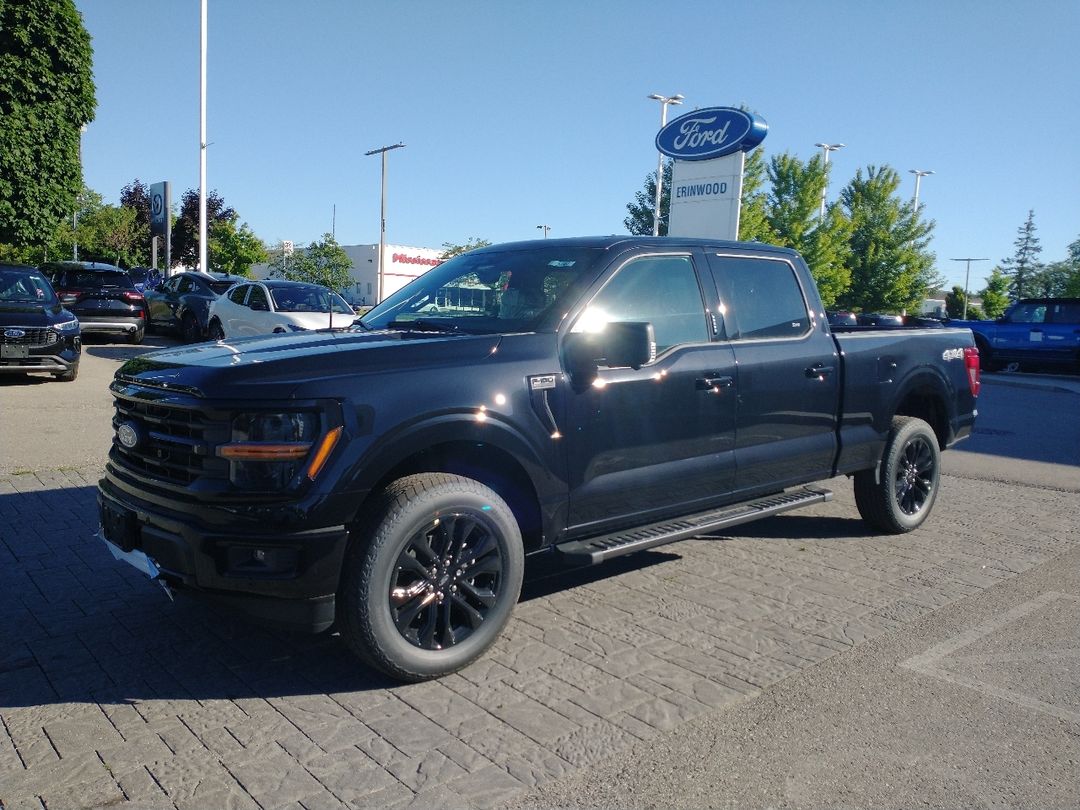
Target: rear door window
764, 297
237, 294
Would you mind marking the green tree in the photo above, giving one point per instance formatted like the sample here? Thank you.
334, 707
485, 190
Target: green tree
753, 219
891, 266
793, 216
1024, 263
110, 233
234, 250
954, 305
450, 250
639, 220
995, 295
323, 262
185, 229
136, 196
46, 98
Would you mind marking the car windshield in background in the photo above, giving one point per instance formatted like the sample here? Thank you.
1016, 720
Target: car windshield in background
20, 286
487, 292
101, 278
221, 287
307, 298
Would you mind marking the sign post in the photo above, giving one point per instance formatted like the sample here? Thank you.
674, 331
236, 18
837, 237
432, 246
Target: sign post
160, 205
709, 147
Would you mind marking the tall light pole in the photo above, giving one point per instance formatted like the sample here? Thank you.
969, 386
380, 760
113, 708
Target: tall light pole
826, 148
967, 278
202, 141
382, 150
919, 175
545, 229
664, 102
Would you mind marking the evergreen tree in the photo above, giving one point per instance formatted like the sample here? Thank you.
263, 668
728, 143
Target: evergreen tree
639, 221
46, 98
1024, 263
891, 266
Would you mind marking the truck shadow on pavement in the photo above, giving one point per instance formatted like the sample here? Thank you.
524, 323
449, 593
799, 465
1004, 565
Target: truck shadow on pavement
81, 627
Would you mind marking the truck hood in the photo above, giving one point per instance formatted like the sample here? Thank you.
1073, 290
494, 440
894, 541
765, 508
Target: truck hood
273, 366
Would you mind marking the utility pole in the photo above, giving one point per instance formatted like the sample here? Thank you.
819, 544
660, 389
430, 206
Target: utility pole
826, 148
382, 150
967, 278
664, 102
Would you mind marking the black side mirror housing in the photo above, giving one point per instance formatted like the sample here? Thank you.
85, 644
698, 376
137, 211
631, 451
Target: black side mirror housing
629, 344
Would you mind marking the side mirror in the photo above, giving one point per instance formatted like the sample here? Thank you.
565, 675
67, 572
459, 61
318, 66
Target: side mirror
628, 344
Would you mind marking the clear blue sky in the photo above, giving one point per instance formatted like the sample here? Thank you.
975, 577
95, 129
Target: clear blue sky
516, 114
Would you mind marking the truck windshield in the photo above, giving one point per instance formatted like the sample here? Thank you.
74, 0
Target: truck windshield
488, 291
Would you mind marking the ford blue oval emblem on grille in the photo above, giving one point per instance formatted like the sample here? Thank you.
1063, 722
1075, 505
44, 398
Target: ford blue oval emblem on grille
711, 133
14, 333
128, 435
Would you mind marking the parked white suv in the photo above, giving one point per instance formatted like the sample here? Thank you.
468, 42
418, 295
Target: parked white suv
266, 307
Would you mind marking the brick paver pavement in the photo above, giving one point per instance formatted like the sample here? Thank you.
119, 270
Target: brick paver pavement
111, 695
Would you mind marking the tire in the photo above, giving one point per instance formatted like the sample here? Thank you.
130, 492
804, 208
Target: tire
70, 375
215, 331
986, 356
189, 328
430, 582
136, 337
899, 495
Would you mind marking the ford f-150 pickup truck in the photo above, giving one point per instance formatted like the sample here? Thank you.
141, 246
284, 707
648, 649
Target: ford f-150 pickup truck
1033, 332
577, 399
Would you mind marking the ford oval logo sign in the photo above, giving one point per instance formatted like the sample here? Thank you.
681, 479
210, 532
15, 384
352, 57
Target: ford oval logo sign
711, 133
14, 333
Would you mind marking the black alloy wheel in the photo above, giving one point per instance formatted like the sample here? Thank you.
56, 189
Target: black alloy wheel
431, 577
446, 580
899, 494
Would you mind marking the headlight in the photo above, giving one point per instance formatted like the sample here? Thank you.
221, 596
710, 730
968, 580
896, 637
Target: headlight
67, 326
268, 450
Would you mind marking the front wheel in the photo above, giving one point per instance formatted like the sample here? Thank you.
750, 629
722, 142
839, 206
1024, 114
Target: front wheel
898, 495
215, 330
189, 328
431, 580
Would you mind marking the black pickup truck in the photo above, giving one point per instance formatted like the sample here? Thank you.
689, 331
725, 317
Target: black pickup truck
579, 399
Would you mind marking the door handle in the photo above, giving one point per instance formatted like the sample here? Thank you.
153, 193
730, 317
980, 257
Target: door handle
818, 371
714, 382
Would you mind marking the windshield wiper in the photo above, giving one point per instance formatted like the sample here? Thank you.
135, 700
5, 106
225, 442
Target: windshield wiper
425, 325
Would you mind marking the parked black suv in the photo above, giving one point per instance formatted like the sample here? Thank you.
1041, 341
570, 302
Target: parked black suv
36, 333
182, 302
103, 297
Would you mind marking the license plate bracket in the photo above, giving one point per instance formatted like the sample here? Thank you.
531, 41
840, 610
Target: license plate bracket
120, 526
14, 351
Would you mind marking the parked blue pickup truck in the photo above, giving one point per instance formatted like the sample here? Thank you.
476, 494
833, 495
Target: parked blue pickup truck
1033, 332
564, 399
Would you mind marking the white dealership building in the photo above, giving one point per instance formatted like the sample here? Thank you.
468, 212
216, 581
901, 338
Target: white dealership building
402, 263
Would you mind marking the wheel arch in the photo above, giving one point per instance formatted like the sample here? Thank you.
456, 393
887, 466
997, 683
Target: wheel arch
926, 398
494, 456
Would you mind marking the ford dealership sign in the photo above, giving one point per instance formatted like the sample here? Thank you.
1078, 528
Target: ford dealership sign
711, 133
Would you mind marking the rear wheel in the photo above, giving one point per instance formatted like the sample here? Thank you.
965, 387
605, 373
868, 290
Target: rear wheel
189, 328
136, 337
898, 496
431, 580
216, 332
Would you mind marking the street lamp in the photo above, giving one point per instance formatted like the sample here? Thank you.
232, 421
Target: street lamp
382, 150
664, 101
919, 175
967, 277
545, 229
826, 148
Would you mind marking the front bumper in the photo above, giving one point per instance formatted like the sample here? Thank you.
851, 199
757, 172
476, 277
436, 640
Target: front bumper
57, 358
283, 578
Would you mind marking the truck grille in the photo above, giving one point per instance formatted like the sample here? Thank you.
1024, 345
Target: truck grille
173, 444
32, 336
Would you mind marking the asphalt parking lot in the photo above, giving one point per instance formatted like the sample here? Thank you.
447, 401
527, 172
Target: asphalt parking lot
112, 695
